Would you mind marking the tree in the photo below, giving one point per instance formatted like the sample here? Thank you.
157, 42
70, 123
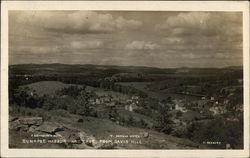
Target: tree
72, 91
164, 120
234, 101
169, 100
143, 124
28, 98
178, 114
113, 114
131, 120
83, 103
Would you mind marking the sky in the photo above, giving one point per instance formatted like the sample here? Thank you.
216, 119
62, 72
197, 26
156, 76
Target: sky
165, 39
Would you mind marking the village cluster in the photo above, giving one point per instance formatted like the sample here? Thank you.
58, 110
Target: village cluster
204, 106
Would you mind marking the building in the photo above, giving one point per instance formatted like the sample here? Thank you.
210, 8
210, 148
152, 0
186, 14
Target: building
92, 101
179, 105
131, 107
100, 100
105, 99
216, 110
134, 97
180, 108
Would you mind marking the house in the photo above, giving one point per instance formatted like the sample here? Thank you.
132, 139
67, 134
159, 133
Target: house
180, 108
97, 101
228, 146
92, 101
179, 105
101, 100
131, 107
226, 101
105, 99
27, 76
217, 110
135, 97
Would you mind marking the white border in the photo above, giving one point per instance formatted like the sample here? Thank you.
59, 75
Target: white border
122, 5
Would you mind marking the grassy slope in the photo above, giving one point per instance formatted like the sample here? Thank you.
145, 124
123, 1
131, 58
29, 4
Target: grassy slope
100, 129
47, 87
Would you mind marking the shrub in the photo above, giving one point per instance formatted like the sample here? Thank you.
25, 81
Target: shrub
164, 120
180, 132
73, 91
131, 120
179, 114
26, 97
80, 120
142, 123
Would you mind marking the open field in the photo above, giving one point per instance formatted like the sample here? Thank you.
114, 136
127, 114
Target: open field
47, 87
157, 94
50, 88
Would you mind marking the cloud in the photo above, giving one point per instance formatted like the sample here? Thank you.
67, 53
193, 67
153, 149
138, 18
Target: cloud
86, 44
122, 23
36, 49
202, 23
82, 22
173, 40
167, 39
142, 45
200, 33
185, 20
203, 28
79, 47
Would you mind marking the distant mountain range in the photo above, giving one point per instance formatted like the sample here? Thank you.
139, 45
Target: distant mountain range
117, 66
112, 69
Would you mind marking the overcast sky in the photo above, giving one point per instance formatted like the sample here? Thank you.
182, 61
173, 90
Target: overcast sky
155, 39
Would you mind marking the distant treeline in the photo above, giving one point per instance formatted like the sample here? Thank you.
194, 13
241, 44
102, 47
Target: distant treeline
107, 78
15, 82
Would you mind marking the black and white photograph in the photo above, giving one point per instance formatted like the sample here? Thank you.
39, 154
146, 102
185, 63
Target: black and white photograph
125, 79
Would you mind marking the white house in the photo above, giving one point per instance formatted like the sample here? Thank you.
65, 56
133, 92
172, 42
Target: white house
180, 108
131, 107
217, 110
